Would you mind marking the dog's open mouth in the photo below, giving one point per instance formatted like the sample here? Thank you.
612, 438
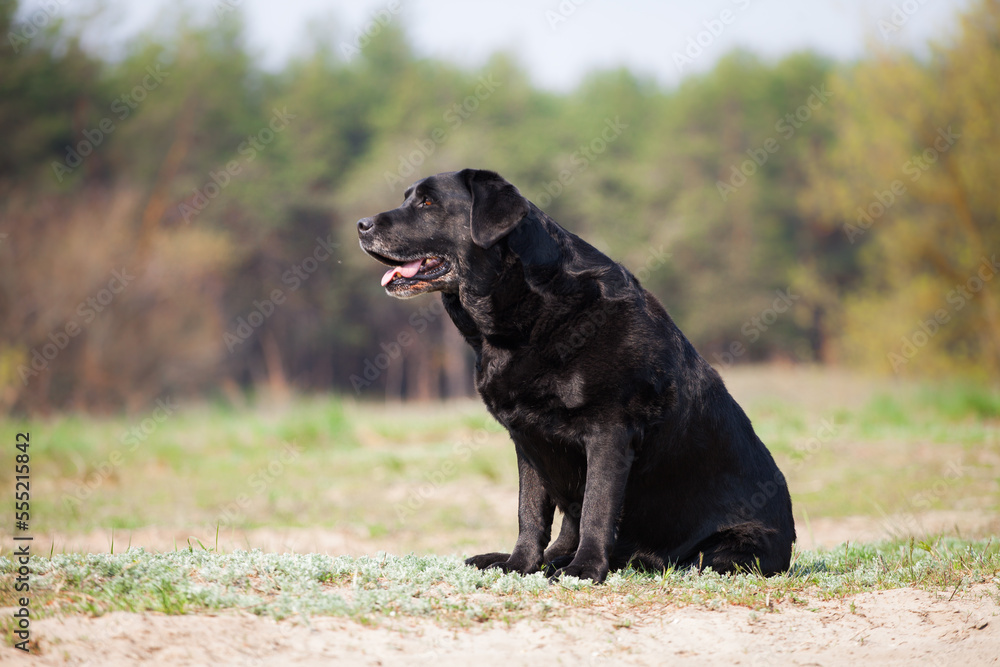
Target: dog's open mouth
413, 276
427, 268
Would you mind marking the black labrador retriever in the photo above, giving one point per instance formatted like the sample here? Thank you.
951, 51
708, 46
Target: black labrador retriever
615, 418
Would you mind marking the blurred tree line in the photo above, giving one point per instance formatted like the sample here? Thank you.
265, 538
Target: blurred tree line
177, 220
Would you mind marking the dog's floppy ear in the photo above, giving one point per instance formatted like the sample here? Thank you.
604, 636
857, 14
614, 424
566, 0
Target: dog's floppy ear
497, 206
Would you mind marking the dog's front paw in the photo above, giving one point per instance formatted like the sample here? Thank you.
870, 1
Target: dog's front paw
505, 562
596, 571
483, 561
552, 567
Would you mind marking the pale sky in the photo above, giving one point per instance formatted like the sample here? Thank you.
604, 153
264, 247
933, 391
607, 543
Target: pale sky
558, 41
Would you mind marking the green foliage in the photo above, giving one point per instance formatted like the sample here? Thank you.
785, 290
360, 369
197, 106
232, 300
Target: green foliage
911, 187
219, 185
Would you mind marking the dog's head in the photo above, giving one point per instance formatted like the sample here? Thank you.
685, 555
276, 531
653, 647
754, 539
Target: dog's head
442, 218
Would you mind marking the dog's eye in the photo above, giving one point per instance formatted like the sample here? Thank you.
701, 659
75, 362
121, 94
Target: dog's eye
426, 201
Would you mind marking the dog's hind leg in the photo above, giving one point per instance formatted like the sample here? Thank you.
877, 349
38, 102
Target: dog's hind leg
746, 547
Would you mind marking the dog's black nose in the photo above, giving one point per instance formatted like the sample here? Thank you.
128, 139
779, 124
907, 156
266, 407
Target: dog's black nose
365, 225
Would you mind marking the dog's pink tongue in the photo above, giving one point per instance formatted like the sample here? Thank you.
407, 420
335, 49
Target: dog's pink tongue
407, 270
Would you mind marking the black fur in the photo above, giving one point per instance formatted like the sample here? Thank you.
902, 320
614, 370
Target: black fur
615, 418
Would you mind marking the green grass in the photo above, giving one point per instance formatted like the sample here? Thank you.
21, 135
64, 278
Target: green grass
949, 414
315, 462
433, 480
407, 472
443, 588
895, 451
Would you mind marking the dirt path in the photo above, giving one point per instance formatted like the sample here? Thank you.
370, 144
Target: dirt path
898, 627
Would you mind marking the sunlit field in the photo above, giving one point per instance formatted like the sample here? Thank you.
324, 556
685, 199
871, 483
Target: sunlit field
320, 514
321, 473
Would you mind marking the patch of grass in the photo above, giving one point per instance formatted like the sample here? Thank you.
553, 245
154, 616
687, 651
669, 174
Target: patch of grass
368, 589
960, 400
892, 450
885, 412
305, 464
429, 425
946, 412
395, 473
778, 423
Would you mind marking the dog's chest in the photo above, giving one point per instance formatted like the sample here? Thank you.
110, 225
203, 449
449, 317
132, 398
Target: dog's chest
523, 392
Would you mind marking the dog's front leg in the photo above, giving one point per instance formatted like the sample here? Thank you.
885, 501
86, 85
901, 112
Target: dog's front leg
535, 510
609, 460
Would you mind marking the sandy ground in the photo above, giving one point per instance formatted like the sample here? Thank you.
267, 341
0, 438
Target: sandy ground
897, 627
